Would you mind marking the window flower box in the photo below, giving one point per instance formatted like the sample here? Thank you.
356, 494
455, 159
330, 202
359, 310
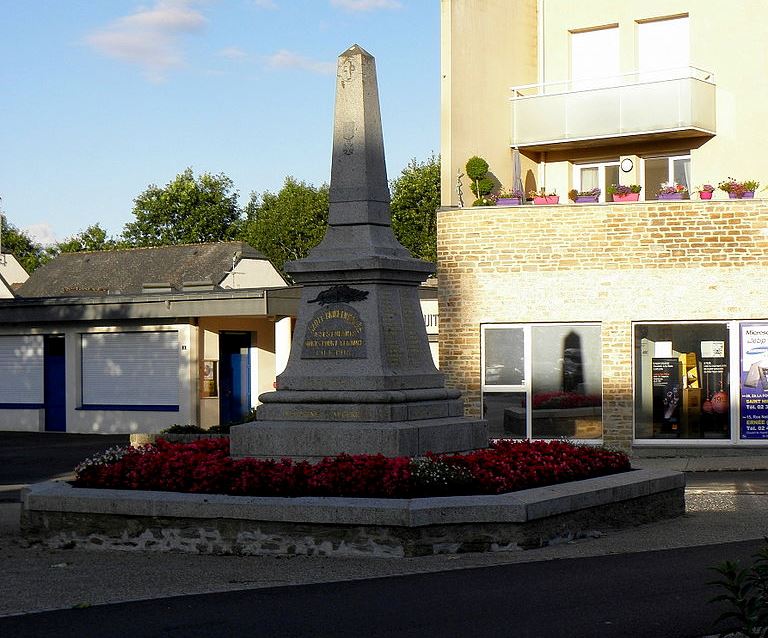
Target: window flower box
508, 201
672, 196
546, 199
744, 195
629, 197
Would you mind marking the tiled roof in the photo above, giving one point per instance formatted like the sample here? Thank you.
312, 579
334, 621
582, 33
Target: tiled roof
124, 272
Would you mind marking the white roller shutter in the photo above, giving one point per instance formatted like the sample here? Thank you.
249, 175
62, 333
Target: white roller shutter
130, 369
21, 369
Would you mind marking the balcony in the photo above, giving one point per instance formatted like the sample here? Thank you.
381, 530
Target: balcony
636, 107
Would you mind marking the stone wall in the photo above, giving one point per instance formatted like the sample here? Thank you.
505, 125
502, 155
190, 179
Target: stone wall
608, 263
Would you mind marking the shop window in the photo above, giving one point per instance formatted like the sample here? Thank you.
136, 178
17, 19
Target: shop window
542, 381
682, 388
21, 368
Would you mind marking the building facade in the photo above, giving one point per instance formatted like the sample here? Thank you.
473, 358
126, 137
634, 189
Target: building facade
640, 325
603, 92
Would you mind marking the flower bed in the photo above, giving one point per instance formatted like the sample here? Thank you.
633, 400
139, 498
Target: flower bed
206, 467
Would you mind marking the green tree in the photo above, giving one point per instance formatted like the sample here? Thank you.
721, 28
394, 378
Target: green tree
287, 224
92, 238
415, 200
187, 210
28, 252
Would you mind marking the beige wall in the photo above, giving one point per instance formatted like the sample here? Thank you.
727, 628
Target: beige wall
263, 344
610, 264
488, 45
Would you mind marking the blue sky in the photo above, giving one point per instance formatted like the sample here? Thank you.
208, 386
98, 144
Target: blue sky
101, 98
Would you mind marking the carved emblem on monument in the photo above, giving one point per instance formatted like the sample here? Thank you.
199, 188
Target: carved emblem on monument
335, 332
339, 294
348, 132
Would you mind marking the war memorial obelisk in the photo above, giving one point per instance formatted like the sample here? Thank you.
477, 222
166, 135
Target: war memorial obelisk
360, 377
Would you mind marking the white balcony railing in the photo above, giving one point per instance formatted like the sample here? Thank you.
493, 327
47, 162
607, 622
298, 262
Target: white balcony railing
643, 104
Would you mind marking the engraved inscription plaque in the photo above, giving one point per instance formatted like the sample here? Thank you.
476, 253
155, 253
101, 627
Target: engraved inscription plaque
335, 332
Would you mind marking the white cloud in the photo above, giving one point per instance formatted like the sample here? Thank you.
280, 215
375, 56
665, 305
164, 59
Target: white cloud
233, 53
366, 5
150, 37
285, 59
41, 233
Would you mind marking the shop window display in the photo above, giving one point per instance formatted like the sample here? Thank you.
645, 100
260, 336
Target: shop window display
682, 381
543, 381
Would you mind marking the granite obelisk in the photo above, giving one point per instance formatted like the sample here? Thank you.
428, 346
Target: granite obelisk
360, 376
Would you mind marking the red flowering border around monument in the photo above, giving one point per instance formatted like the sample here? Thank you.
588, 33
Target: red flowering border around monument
206, 467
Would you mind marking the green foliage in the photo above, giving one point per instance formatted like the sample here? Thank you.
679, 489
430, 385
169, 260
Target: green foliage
92, 238
415, 200
187, 210
287, 224
476, 168
484, 201
482, 186
746, 592
435, 477
28, 253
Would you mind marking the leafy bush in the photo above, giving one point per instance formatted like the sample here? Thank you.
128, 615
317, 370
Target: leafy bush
482, 186
476, 168
183, 429
746, 592
206, 467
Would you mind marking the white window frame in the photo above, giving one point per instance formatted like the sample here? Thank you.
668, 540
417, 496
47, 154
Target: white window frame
601, 181
670, 167
526, 385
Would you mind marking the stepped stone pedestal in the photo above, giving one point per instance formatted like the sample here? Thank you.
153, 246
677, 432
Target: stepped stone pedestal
360, 377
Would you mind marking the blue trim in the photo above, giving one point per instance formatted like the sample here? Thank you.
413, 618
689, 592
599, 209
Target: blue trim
22, 406
131, 408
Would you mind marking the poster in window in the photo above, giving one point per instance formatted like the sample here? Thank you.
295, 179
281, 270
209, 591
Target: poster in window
209, 388
666, 381
753, 387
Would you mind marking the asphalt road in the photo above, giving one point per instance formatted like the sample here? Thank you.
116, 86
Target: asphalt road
641, 595
31, 457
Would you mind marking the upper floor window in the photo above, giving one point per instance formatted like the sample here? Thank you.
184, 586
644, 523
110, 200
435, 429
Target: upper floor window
594, 57
662, 45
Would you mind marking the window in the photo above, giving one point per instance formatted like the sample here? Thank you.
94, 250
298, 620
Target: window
660, 170
663, 47
601, 175
594, 55
682, 382
21, 368
130, 370
542, 381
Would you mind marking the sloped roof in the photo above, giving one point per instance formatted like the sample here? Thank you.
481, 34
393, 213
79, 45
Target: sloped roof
124, 272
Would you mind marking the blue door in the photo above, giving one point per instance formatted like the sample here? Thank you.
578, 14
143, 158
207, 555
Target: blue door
234, 376
55, 387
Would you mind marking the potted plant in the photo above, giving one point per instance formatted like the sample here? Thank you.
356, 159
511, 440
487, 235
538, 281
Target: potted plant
672, 190
481, 185
739, 190
584, 197
705, 191
511, 197
625, 193
541, 196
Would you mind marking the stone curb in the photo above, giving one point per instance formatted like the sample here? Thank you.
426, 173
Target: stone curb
514, 507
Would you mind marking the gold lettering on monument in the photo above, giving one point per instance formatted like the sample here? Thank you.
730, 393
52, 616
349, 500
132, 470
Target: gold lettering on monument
335, 332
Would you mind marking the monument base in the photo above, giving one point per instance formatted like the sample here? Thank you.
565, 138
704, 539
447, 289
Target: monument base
312, 440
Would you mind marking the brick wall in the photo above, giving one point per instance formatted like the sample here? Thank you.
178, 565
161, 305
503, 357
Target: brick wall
613, 264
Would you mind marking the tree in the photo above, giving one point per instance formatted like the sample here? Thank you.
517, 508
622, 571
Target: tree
415, 200
287, 224
188, 210
92, 238
28, 253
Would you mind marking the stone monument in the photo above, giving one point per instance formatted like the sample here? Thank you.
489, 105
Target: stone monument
360, 377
